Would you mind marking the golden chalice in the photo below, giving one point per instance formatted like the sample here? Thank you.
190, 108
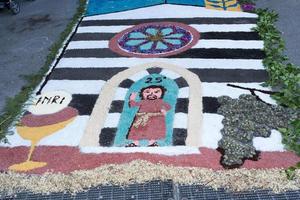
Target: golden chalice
35, 128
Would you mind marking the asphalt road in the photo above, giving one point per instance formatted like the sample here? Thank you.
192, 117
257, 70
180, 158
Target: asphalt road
288, 24
26, 38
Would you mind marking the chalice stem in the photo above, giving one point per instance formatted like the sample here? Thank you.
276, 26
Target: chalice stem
31, 150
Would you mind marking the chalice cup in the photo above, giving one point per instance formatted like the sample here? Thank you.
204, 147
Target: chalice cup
35, 134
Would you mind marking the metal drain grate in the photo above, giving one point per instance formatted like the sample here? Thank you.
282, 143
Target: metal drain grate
158, 190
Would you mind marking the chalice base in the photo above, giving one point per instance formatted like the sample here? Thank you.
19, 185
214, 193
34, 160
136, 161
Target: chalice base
26, 166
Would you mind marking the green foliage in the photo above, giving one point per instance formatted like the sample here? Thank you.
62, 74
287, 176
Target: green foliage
291, 136
282, 75
291, 171
14, 106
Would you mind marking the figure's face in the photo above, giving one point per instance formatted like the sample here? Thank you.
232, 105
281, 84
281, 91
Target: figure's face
152, 93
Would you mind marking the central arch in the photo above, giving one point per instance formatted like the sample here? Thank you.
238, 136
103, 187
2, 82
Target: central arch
100, 113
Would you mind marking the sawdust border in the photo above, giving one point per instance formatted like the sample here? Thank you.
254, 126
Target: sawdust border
140, 171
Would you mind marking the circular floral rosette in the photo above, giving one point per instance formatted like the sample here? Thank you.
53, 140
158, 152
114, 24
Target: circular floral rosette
150, 40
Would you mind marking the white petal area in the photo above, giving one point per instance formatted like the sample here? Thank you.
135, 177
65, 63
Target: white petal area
120, 94
171, 11
272, 143
180, 120
182, 62
139, 75
219, 89
101, 44
169, 74
230, 44
266, 98
211, 134
184, 92
75, 86
202, 28
68, 136
102, 29
14, 140
168, 151
112, 120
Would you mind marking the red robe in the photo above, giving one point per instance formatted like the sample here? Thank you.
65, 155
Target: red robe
152, 128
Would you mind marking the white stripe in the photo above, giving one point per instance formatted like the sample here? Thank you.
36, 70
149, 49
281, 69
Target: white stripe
199, 27
230, 44
180, 120
112, 120
220, 89
120, 94
101, 44
171, 11
211, 130
224, 44
272, 143
75, 86
183, 62
223, 27
184, 92
139, 75
168, 151
101, 29
170, 74
208, 89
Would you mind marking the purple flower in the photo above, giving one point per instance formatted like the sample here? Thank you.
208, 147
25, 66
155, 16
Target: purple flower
248, 7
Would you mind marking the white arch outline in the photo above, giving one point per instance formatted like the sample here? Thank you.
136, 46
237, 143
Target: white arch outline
100, 111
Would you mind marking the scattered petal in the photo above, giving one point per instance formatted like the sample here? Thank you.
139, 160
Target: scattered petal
137, 35
175, 35
166, 31
151, 31
134, 42
173, 41
146, 46
161, 45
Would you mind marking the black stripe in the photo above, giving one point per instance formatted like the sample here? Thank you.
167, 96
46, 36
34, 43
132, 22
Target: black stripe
182, 105
92, 36
116, 106
205, 75
85, 104
210, 104
206, 35
197, 20
181, 82
154, 70
221, 53
107, 136
231, 75
230, 35
191, 53
85, 73
126, 83
179, 136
